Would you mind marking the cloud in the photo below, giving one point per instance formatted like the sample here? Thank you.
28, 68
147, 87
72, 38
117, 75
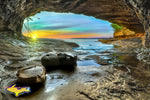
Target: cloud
59, 27
68, 24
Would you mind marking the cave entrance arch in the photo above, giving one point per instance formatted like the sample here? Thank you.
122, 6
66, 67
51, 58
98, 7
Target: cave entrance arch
115, 11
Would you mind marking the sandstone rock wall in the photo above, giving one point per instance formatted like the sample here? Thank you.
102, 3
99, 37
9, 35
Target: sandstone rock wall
142, 10
13, 12
123, 33
126, 33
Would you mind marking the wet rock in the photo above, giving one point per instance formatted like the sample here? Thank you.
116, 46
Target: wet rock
50, 59
100, 60
108, 40
56, 76
93, 73
131, 84
81, 52
71, 44
31, 75
61, 60
103, 61
67, 58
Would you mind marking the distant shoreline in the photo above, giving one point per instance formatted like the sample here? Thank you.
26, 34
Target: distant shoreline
89, 38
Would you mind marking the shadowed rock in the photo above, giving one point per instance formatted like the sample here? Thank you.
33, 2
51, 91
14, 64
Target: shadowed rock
31, 75
121, 12
62, 60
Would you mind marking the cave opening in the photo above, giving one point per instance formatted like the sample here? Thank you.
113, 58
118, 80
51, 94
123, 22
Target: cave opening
77, 28
96, 76
65, 25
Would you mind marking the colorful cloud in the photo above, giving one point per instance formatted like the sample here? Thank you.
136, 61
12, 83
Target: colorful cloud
66, 25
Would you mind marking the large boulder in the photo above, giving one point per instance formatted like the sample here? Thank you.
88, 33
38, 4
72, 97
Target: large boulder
31, 75
60, 60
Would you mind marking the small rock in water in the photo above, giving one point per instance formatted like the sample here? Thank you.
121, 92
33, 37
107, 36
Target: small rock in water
31, 75
103, 61
62, 60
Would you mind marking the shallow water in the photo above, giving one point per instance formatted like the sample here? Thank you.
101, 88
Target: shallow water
88, 47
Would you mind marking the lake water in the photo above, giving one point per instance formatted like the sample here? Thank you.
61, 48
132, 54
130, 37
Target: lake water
89, 47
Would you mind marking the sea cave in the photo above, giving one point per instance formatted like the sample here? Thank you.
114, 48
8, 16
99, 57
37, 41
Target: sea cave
74, 50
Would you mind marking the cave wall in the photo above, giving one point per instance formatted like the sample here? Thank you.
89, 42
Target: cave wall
123, 12
125, 33
142, 10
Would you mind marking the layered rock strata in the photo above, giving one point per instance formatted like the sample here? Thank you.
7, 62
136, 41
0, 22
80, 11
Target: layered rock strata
13, 12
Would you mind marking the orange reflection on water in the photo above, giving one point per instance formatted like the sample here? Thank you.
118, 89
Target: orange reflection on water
57, 34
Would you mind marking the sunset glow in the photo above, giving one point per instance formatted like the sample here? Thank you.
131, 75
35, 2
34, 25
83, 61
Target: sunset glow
66, 25
59, 35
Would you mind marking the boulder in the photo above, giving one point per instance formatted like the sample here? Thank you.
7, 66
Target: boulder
31, 75
60, 60
50, 59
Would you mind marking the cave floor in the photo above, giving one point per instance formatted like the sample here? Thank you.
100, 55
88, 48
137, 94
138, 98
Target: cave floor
84, 83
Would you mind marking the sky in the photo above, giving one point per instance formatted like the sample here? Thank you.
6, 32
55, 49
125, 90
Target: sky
66, 25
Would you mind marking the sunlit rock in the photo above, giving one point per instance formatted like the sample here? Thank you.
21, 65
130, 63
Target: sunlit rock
123, 33
31, 75
126, 33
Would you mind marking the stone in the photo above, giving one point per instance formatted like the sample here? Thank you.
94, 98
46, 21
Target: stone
142, 9
126, 33
123, 33
67, 58
100, 60
103, 61
107, 40
60, 60
50, 59
31, 75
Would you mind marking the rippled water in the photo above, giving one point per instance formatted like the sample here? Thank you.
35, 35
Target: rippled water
89, 47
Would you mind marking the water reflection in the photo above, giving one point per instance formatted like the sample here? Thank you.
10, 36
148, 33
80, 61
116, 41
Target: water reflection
88, 63
56, 81
89, 50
